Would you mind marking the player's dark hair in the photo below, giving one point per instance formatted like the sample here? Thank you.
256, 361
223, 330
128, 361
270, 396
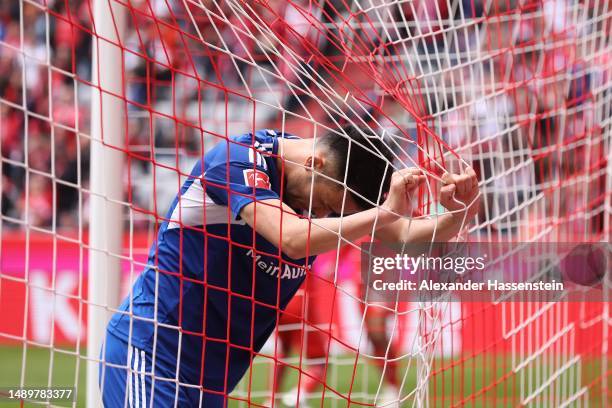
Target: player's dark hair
366, 165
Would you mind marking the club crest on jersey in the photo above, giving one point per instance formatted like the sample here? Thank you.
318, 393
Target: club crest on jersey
256, 178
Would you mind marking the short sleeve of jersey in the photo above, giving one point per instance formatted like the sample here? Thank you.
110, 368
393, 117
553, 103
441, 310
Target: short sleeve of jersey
236, 175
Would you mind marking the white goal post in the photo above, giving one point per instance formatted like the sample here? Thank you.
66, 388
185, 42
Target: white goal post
107, 181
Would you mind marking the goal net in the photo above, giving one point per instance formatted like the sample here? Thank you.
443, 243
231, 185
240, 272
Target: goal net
106, 105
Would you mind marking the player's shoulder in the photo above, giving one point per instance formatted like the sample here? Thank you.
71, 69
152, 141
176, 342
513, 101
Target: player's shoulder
263, 138
246, 147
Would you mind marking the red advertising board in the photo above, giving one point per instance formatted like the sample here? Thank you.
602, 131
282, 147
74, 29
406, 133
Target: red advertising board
43, 292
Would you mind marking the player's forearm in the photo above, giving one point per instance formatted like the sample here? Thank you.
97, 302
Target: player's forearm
441, 228
298, 237
313, 237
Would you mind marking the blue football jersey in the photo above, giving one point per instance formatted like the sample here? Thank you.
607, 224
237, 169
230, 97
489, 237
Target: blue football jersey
213, 289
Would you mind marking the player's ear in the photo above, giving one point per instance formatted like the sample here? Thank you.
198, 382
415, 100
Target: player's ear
315, 162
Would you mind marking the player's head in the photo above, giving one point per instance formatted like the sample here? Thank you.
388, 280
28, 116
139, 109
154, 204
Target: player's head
357, 153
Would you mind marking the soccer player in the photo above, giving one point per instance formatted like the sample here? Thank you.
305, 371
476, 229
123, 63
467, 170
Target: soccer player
235, 247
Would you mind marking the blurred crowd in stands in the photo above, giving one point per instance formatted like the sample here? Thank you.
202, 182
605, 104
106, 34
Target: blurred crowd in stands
41, 112
532, 103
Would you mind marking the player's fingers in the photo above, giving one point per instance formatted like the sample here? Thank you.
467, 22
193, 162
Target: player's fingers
410, 178
459, 181
411, 181
473, 177
448, 178
410, 171
415, 171
397, 181
464, 184
447, 192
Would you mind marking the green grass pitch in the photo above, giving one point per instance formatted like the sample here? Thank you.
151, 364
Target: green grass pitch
479, 382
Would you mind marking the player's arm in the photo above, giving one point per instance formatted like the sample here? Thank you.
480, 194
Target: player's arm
459, 195
298, 237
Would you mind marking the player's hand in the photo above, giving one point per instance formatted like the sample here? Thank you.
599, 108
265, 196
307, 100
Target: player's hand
403, 183
460, 193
